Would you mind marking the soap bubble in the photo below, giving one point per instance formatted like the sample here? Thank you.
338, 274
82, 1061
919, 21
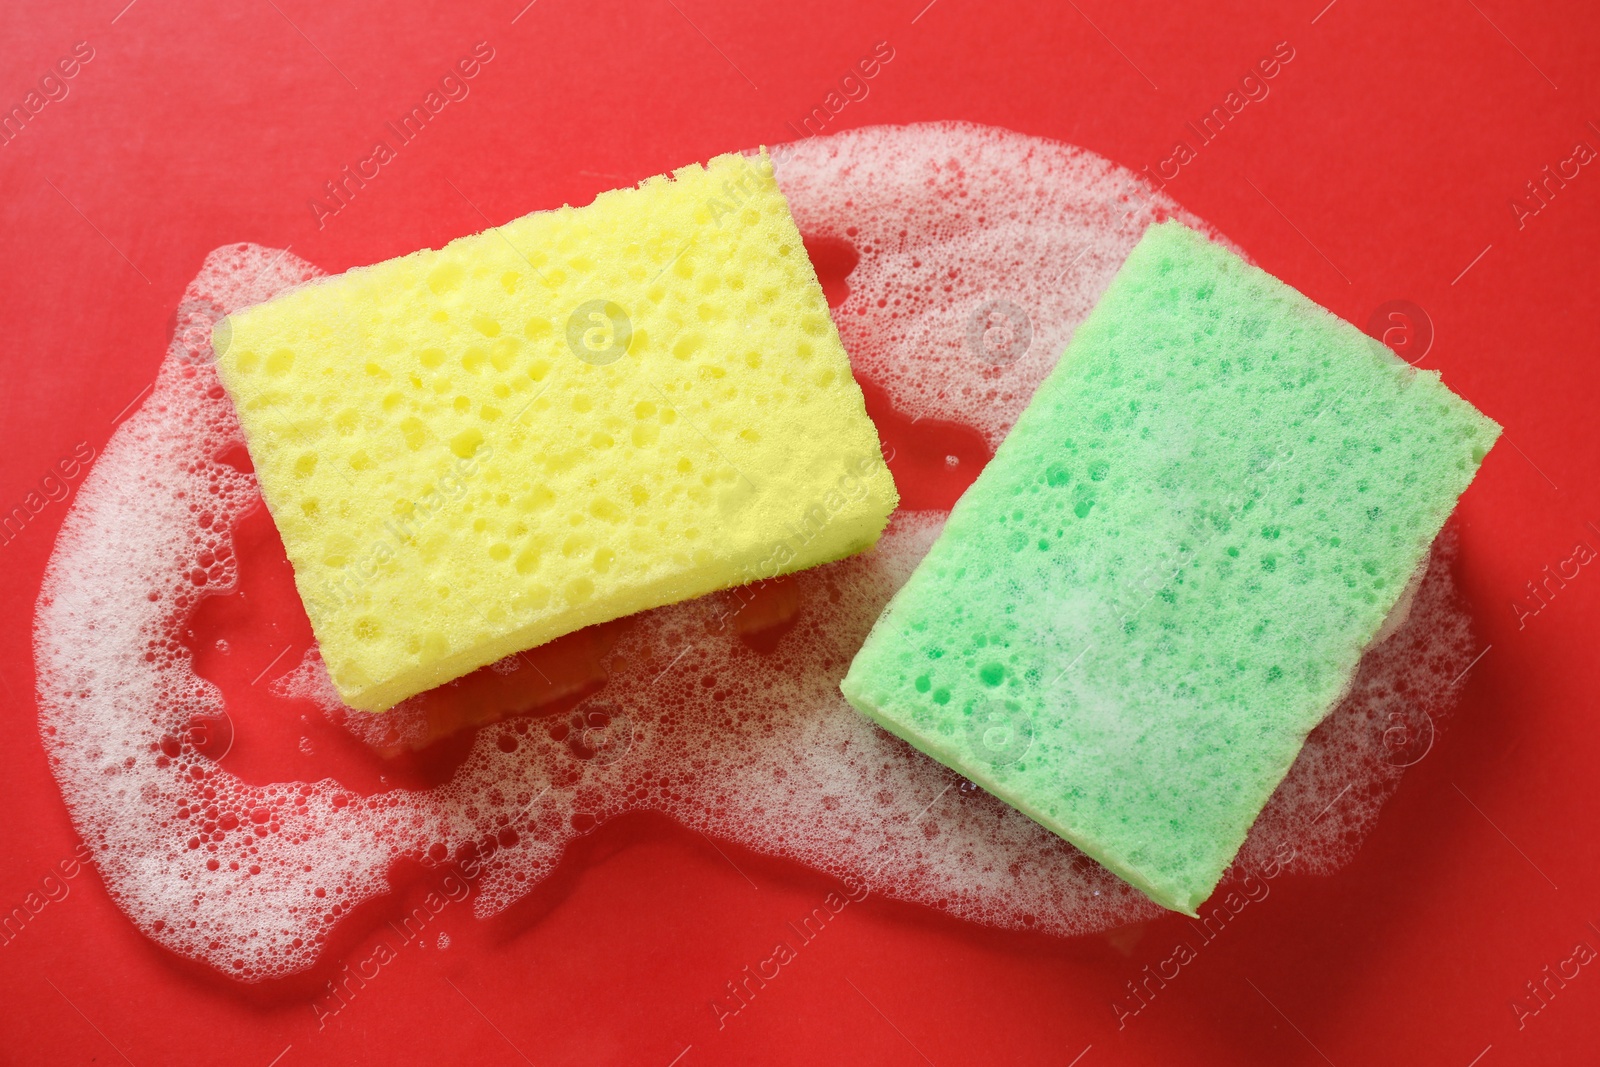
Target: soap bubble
999, 332
1407, 736
200, 331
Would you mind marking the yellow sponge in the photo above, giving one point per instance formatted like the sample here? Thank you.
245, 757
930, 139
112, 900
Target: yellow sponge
581, 414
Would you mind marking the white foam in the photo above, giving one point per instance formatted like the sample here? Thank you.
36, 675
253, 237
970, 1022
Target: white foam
959, 227
757, 748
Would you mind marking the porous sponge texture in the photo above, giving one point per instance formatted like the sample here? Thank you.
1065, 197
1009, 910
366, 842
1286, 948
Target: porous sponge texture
1165, 578
575, 416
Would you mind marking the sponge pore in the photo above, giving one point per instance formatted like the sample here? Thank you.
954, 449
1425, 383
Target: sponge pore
575, 416
1166, 576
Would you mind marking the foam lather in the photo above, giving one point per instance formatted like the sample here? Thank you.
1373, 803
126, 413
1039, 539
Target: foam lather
569, 418
1166, 576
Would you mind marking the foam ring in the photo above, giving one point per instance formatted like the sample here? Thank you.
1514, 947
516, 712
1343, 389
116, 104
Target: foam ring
250, 879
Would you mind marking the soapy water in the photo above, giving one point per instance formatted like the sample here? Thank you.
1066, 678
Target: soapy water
980, 250
954, 225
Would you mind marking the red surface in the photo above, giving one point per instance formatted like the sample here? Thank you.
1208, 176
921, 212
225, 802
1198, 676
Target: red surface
1394, 142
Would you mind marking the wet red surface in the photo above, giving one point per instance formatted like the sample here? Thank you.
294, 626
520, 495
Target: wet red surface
1391, 161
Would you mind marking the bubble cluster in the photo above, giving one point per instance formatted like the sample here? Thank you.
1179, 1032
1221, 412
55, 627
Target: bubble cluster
980, 251
751, 746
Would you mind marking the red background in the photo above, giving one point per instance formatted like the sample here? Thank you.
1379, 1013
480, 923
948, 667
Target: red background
1390, 150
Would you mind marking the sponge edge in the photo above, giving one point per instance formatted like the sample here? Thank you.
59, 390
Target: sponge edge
575, 416
1166, 577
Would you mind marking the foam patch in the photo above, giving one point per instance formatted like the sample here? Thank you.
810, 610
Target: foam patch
980, 252
227, 872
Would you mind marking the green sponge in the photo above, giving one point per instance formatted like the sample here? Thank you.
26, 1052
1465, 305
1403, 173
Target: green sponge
1165, 578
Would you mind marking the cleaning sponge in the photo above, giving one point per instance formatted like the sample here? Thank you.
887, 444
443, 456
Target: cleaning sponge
1167, 574
575, 416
